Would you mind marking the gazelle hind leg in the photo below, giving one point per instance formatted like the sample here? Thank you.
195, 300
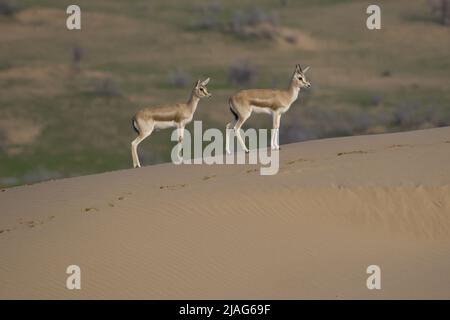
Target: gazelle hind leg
230, 126
237, 129
275, 132
134, 145
228, 129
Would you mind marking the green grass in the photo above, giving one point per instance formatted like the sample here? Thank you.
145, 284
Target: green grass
139, 44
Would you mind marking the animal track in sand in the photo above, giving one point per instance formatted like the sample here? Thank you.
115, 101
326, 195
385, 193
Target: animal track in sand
290, 163
297, 161
90, 209
122, 197
352, 152
438, 204
28, 223
396, 146
173, 187
251, 170
33, 223
208, 177
110, 203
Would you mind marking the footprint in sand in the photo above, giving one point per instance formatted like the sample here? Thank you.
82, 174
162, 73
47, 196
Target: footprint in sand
122, 197
28, 223
396, 146
438, 204
173, 187
208, 177
297, 161
91, 209
32, 223
352, 152
251, 170
110, 203
288, 168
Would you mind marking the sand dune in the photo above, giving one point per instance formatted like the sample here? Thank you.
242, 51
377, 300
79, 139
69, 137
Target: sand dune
197, 231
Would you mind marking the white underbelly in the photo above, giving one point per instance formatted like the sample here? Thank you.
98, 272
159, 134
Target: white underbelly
261, 110
164, 124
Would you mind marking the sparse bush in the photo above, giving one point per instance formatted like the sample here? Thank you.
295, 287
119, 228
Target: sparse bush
407, 116
77, 56
179, 79
255, 22
209, 15
107, 87
315, 123
441, 9
437, 116
411, 116
375, 100
386, 73
9, 7
258, 16
242, 73
41, 174
2, 140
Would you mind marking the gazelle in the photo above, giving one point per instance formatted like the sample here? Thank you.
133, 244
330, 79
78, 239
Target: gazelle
274, 102
166, 116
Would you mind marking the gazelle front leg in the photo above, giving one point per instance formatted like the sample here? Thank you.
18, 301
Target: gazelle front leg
180, 134
228, 130
275, 132
180, 140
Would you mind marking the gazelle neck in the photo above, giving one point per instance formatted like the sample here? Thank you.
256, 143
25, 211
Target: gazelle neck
293, 90
193, 101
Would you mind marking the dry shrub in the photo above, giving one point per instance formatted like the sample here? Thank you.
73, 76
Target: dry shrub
441, 10
179, 79
9, 7
107, 87
242, 73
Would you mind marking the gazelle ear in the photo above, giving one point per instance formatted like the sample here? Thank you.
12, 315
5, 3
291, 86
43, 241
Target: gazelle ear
197, 84
306, 69
205, 82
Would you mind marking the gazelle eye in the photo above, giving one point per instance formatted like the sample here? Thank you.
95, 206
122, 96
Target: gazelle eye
202, 90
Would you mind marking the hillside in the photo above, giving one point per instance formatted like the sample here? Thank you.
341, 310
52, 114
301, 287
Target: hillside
196, 231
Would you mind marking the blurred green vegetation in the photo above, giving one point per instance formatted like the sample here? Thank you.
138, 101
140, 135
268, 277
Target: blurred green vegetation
67, 97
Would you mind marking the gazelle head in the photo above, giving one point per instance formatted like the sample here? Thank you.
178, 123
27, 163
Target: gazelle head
200, 89
299, 78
